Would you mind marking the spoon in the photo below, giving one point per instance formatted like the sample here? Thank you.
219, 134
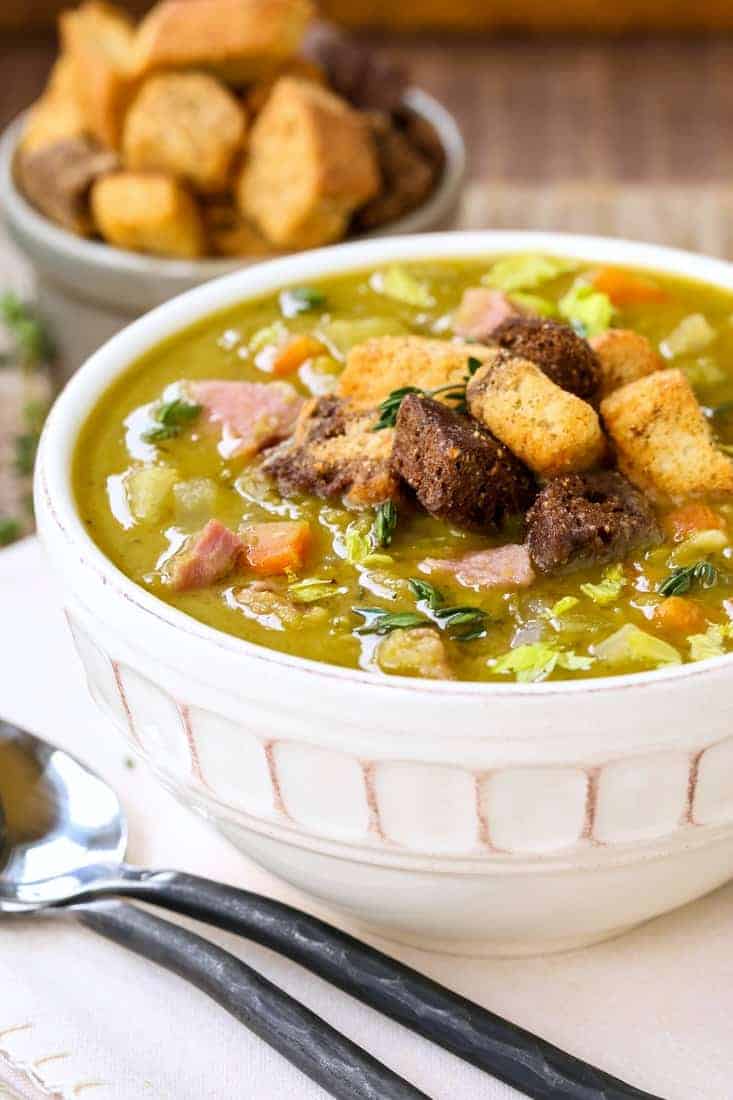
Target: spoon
64, 841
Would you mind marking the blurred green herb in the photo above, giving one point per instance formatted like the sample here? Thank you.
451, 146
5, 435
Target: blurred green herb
32, 342
171, 417
300, 299
10, 530
425, 591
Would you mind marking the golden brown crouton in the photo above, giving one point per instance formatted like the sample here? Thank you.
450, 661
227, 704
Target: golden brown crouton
229, 234
335, 451
57, 178
311, 163
186, 124
385, 363
97, 39
148, 213
57, 114
624, 356
662, 440
239, 40
414, 653
552, 431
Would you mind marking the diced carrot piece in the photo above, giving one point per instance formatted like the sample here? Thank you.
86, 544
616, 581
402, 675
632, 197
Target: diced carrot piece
625, 289
688, 518
679, 615
276, 547
294, 353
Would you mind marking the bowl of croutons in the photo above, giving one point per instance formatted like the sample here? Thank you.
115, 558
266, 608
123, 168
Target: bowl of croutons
205, 138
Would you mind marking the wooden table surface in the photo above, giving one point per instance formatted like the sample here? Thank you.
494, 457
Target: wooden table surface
636, 109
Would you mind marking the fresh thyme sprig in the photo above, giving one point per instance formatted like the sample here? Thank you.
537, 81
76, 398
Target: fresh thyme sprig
384, 622
682, 579
385, 524
455, 392
463, 624
171, 417
425, 591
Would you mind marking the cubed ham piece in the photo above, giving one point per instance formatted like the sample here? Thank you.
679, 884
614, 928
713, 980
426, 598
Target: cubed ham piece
250, 415
498, 567
208, 557
481, 312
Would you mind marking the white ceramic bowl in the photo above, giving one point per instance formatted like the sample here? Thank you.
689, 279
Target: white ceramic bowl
88, 291
469, 817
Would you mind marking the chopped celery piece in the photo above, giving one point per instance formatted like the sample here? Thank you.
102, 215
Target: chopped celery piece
711, 643
697, 546
195, 501
359, 547
341, 335
275, 333
567, 603
537, 660
526, 272
629, 644
148, 491
400, 285
532, 303
319, 375
589, 311
693, 334
312, 589
607, 590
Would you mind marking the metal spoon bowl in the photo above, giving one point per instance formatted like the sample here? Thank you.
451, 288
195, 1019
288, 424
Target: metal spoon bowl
63, 835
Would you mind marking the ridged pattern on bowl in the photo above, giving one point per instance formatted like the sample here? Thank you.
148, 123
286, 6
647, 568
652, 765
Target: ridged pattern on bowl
408, 805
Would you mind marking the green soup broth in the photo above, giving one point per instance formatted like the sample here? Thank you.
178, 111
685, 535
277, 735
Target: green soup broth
556, 615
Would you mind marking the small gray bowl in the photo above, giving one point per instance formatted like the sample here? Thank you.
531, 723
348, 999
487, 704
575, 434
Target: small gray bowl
88, 291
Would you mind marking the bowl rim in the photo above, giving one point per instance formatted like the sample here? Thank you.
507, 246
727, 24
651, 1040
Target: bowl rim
67, 246
52, 483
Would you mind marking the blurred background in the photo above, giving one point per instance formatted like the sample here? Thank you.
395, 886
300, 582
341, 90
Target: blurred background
581, 90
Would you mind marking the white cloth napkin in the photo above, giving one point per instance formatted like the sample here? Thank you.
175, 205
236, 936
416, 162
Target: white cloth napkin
80, 1017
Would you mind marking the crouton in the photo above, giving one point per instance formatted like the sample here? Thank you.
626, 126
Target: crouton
239, 40
335, 451
584, 519
552, 431
98, 40
57, 115
256, 95
148, 213
662, 440
457, 470
311, 163
414, 653
624, 356
186, 124
385, 363
57, 179
407, 176
229, 234
556, 349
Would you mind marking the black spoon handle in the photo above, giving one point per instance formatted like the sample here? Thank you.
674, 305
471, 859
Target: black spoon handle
515, 1056
341, 1067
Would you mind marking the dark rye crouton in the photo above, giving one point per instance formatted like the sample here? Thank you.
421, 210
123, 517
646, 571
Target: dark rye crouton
582, 519
558, 351
456, 468
334, 451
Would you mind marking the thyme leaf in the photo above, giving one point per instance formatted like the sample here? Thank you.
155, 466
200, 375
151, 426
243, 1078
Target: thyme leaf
425, 591
384, 622
301, 299
385, 524
171, 417
682, 579
455, 392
